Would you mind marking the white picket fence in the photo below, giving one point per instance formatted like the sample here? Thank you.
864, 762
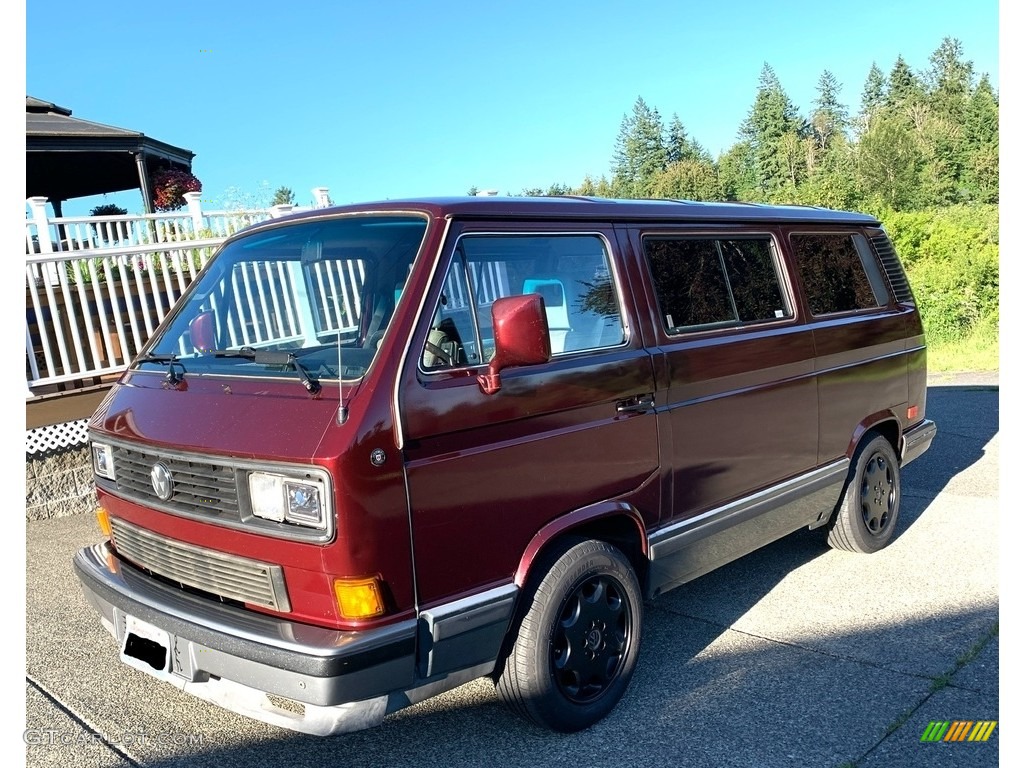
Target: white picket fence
97, 287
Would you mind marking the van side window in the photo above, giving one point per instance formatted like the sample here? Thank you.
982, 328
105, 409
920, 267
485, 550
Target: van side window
834, 273
706, 282
572, 273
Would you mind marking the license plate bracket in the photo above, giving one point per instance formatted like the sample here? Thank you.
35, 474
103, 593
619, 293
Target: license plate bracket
146, 647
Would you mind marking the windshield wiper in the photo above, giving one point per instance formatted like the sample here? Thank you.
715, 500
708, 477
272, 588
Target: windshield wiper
152, 357
170, 360
272, 357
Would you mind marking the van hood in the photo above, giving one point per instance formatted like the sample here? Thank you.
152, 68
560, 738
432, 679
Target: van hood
238, 417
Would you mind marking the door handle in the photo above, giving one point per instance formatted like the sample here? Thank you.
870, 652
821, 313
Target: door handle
636, 404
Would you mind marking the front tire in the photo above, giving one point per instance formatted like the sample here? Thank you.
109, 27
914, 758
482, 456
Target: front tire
865, 518
579, 639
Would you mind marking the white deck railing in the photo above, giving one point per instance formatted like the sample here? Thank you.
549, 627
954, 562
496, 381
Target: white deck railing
97, 287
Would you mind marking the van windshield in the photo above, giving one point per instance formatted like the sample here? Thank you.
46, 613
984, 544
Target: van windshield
312, 293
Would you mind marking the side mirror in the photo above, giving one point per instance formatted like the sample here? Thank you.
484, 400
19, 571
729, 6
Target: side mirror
520, 337
202, 331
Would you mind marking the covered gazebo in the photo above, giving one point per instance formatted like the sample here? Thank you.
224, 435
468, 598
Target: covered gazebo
67, 157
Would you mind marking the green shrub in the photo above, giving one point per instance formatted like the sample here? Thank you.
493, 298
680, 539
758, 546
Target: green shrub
952, 260
108, 209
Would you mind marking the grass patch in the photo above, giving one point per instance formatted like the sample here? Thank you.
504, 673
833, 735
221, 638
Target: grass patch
972, 653
943, 680
900, 721
978, 352
940, 682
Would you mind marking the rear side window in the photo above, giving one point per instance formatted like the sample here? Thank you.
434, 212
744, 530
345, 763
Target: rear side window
838, 272
572, 273
704, 282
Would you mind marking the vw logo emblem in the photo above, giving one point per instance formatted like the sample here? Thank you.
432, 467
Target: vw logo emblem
163, 483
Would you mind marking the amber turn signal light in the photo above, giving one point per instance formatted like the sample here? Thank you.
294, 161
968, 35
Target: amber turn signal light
359, 598
104, 521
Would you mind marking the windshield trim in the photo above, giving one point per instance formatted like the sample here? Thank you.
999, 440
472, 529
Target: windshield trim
385, 258
435, 265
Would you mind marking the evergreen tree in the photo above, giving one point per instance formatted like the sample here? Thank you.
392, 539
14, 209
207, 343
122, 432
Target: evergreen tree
833, 181
938, 119
640, 152
949, 80
679, 146
737, 173
771, 119
918, 140
874, 94
283, 196
554, 190
905, 87
981, 133
830, 169
591, 188
981, 124
829, 119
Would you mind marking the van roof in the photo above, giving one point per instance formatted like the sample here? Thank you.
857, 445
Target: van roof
579, 207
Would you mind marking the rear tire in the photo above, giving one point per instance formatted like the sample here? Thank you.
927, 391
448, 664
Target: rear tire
579, 638
865, 518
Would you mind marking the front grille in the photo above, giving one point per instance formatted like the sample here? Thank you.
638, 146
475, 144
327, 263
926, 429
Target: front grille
207, 488
201, 487
227, 576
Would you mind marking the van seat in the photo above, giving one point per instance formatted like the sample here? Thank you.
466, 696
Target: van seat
555, 306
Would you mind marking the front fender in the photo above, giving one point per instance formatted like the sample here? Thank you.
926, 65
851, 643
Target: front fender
582, 520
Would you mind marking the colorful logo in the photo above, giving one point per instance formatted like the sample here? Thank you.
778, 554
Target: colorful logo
959, 730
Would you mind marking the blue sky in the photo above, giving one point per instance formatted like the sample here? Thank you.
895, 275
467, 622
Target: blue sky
394, 99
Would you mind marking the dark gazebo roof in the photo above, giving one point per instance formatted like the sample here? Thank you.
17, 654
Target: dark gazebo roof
67, 157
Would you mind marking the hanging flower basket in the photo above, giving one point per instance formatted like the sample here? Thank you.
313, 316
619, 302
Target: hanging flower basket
169, 188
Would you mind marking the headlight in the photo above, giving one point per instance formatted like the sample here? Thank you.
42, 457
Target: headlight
302, 501
103, 460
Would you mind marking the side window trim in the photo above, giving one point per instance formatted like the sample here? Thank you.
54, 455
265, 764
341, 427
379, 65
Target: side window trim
728, 282
866, 258
458, 254
879, 284
780, 273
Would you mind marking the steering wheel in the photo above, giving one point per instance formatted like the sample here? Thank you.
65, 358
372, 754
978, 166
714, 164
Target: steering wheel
434, 345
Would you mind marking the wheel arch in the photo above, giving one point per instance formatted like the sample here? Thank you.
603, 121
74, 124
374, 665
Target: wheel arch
884, 423
614, 522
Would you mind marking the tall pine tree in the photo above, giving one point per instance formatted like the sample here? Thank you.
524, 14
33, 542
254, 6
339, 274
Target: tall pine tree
640, 152
874, 94
949, 80
772, 119
829, 119
905, 88
679, 146
981, 132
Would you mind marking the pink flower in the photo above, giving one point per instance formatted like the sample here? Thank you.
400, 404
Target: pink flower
169, 188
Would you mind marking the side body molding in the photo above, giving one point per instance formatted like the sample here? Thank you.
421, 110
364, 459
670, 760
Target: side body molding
690, 548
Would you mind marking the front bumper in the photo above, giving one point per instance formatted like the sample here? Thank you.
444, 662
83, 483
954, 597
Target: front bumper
333, 681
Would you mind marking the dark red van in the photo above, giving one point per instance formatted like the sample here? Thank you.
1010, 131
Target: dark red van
380, 450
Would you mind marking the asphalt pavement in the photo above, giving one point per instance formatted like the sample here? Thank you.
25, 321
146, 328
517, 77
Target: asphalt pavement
796, 655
